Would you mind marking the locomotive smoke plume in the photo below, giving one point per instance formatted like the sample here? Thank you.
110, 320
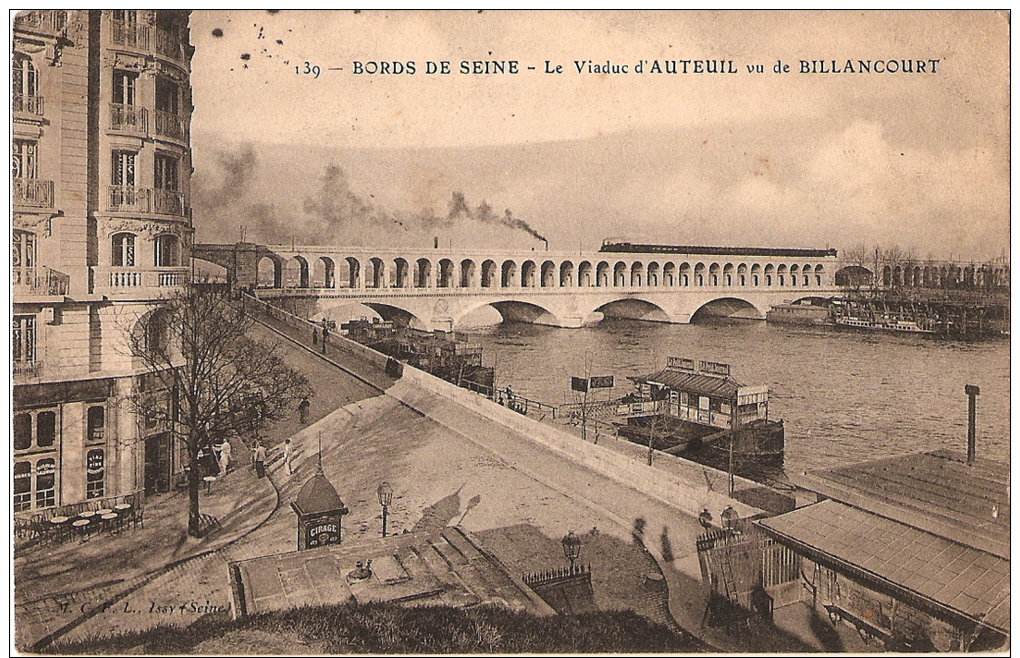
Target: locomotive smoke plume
459, 209
332, 211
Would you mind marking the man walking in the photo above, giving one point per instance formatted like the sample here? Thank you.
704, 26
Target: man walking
260, 460
288, 455
225, 450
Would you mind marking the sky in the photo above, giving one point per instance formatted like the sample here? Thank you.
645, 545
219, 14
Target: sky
918, 161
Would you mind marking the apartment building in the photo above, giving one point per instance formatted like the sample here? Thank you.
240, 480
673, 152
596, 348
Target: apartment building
101, 168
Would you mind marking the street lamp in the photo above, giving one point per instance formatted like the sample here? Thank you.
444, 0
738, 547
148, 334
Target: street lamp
705, 519
385, 492
571, 547
730, 517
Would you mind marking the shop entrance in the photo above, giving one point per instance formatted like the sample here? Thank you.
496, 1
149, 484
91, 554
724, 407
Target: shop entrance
157, 463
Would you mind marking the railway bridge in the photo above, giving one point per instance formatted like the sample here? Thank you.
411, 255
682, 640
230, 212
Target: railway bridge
438, 288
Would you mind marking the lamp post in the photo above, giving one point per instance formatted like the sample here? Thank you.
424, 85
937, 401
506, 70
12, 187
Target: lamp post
705, 519
730, 517
571, 547
385, 492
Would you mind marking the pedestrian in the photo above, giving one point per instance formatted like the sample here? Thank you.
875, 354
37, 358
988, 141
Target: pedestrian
260, 460
315, 335
288, 455
325, 335
225, 450
303, 409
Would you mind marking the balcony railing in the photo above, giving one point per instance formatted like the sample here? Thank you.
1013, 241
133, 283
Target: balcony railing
49, 21
167, 202
144, 200
27, 369
169, 125
32, 192
126, 280
129, 118
131, 34
39, 281
129, 199
168, 44
27, 104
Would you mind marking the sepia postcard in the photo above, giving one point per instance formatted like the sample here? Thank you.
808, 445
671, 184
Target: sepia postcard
510, 332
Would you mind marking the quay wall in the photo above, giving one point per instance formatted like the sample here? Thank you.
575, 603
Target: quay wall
626, 463
674, 481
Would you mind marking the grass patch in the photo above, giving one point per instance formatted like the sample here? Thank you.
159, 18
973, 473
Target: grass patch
392, 628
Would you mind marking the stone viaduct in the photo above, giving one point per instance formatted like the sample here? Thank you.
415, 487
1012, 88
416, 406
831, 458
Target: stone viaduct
437, 288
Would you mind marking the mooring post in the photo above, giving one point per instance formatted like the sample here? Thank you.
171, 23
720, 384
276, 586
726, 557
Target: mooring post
972, 392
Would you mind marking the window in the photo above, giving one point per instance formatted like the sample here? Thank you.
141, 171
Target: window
46, 482
22, 486
25, 85
125, 15
167, 96
124, 168
24, 159
45, 429
35, 478
124, 84
155, 332
95, 473
165, 252
23, 258
165, 173
95, 423
123, 254
22, 431
23, 339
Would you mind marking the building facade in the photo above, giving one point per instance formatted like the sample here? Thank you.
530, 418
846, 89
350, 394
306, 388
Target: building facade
101, 167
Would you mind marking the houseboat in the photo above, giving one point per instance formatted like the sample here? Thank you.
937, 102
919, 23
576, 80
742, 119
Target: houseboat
697, 411
447, 355
884, 323
790, 313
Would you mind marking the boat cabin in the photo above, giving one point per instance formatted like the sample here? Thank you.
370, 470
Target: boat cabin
700, 392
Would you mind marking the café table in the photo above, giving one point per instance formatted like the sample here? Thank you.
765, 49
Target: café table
83, 526
209, 479
59, 524
110, 519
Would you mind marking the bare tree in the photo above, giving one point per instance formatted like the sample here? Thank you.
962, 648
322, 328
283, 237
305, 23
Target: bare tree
196, 346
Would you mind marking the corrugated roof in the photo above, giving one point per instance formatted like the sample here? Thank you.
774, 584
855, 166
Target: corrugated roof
937, 492
721, 387
967, 580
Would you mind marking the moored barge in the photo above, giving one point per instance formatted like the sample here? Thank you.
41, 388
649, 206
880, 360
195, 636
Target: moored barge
697, 411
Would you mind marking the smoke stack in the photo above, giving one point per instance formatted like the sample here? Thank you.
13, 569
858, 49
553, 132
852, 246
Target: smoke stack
972, 392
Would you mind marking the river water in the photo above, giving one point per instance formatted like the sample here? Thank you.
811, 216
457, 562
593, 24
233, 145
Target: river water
845, 396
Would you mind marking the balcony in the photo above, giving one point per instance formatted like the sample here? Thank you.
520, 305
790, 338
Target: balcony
139, 36
38, 281
168, 44
26, 370
168, 202
27, 104
52, 22
129, 118
170, 125
116, 281
32, 192
131, 34
143, 200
